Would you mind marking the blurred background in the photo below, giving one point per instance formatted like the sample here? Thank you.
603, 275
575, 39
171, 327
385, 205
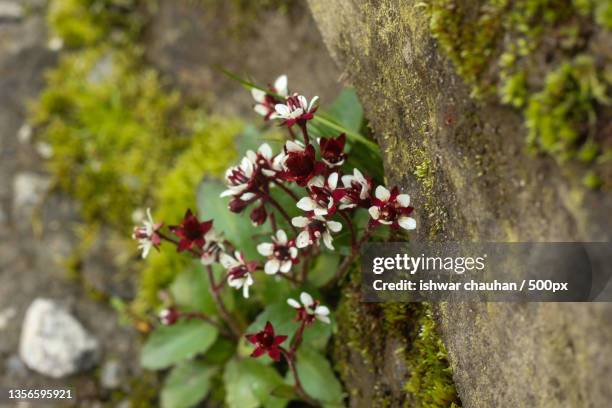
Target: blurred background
108, 107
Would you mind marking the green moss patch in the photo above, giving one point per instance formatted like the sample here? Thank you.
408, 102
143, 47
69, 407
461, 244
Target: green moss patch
541, 57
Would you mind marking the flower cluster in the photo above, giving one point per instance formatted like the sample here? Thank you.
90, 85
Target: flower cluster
326, 194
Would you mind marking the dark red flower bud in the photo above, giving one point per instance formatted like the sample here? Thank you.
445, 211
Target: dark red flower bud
259, 215
332, 150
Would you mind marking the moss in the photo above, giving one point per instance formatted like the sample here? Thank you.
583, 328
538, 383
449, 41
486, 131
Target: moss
431, 377
121, 139
209, 153
82, 23
367, 330
492, 44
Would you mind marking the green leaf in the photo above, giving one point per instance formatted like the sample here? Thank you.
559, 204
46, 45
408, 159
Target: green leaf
236, 228
187, 384
282, 317
347, 110
190, 290
323, 268
168, 345
318, 378
248, 384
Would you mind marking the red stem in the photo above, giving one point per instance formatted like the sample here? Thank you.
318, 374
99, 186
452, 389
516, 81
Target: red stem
286, 190
214, 291
290, 357
348, 261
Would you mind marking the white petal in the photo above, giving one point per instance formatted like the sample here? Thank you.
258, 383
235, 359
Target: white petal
293, 251
227, 261
258, 95
282, 110
382, 193
322, 310
334, 226
247, 196
327, 240
320, 211
227, 193
268, 172
324, 319
265, 248
385, 222
294, 303
318, 181
265, 150
286, 266
303, 102
403, 200
260, 110
332, 181
272, 266
235, 283
281, 237
303, 239
292, 146
299, 222
312, 103
347, 180
245, 291
280, 85
306, 299
306, 204
408, 223
374, 212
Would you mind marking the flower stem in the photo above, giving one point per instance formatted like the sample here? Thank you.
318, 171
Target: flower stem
214, 291
305, 133
203, 317
286, 190
348, 261
281, 210
290, 357
163, 236
348, 220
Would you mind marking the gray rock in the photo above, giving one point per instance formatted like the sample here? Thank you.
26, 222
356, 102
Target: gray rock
15, 367
111, 374
10, 11
102, 70
28, 191
54, 343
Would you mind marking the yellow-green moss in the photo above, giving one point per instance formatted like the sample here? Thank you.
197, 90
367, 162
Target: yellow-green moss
366, 328
499, 46
122, 140
87, 22
209, 153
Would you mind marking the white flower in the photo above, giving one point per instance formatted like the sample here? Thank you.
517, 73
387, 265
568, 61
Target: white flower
315, 228
146, 234
296, 108
239, 271
392, 208
309, 309
321, 200
281, 253
212, 248
264, 101
357, 189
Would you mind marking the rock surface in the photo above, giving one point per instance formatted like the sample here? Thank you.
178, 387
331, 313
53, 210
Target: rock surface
54, 343
477, 184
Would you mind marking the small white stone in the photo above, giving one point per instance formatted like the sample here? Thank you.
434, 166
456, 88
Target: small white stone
24, 134
10, 11
54, 343
29, 190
